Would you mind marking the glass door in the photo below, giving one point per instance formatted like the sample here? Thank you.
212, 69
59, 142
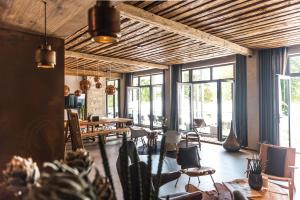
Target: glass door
157, 105
284, 110
184, 106
227, 106
205, 106
145, 106
133, 99
294, 113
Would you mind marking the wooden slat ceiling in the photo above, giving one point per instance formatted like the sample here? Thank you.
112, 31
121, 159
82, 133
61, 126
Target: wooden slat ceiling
250, 23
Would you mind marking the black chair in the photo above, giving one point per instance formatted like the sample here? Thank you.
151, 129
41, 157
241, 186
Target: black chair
135, 165
189, 160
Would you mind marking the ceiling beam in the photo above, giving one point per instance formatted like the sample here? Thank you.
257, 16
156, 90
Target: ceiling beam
115, 60
80, 72
146, 17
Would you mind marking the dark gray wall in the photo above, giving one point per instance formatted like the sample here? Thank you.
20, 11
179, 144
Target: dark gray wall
31, 101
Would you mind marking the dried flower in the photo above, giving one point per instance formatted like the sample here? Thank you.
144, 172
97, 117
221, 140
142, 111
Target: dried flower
20, 172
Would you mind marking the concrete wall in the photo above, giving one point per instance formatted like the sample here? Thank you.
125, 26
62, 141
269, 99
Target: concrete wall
72, 82
253, 101
96, 98
32, 100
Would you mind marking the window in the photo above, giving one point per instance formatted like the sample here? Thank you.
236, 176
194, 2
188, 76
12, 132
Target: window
112, 101
294, 62
207, 93
201, 74
145, 100
185, 76
294, 115
144, 80
223, 72
135, 81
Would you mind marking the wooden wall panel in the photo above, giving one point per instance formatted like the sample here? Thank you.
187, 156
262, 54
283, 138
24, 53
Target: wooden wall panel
32, 101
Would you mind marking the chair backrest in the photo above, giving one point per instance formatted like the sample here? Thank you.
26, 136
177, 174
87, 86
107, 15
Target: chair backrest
74, 130
144, 182
199, 123
137, 132
188, 157
131, 154
96, 118
271, 154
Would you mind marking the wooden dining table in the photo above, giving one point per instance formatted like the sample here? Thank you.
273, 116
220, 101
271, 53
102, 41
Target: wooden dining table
118, 121
109, 126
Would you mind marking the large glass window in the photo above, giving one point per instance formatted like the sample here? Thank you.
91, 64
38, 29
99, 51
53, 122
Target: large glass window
201, 74
207, 93
223, 72
294, 69
147, 107
112, 101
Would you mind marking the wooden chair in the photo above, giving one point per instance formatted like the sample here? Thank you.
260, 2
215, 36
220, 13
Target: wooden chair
138, 133
195, 136
284, 169
75, 133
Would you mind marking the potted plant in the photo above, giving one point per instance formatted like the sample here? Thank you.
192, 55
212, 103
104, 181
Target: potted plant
256, 167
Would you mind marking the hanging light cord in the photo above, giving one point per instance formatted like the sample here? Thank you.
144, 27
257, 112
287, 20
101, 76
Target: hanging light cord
45, 7
109, 72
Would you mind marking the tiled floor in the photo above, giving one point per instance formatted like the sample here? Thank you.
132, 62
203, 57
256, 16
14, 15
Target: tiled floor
228, 166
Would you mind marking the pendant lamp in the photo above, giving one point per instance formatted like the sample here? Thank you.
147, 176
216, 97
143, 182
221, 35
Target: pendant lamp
85, 85
45, 57
66, 90
110, 89
98, 85
104, 22
77, 93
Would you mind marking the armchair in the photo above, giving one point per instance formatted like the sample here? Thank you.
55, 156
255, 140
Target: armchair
278, 171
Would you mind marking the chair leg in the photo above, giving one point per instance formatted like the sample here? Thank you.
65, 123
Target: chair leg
198, 179
177, 181
291, 190
143, 142
189, 180
214, 183
199, 141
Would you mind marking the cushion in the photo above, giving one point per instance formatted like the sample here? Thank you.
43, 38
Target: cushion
188, 157
275, 161
199, 171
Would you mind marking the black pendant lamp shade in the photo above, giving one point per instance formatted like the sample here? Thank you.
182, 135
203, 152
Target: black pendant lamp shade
104, 22
45, 57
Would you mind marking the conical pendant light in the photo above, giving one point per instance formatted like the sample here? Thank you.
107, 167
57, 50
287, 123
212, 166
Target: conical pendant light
44, 56
104, 22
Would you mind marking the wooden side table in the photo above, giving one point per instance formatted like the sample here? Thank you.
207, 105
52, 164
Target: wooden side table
273, 192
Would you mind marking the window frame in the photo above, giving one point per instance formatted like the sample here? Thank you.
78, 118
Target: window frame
114, 98
218, 82
292, 75
151, 85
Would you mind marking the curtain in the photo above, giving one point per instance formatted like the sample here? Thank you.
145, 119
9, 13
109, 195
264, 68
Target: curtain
128, 82
164, 93
175, 78
241, 125
271, 63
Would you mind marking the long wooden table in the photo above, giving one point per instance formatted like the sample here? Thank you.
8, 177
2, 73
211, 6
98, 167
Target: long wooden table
120, 124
